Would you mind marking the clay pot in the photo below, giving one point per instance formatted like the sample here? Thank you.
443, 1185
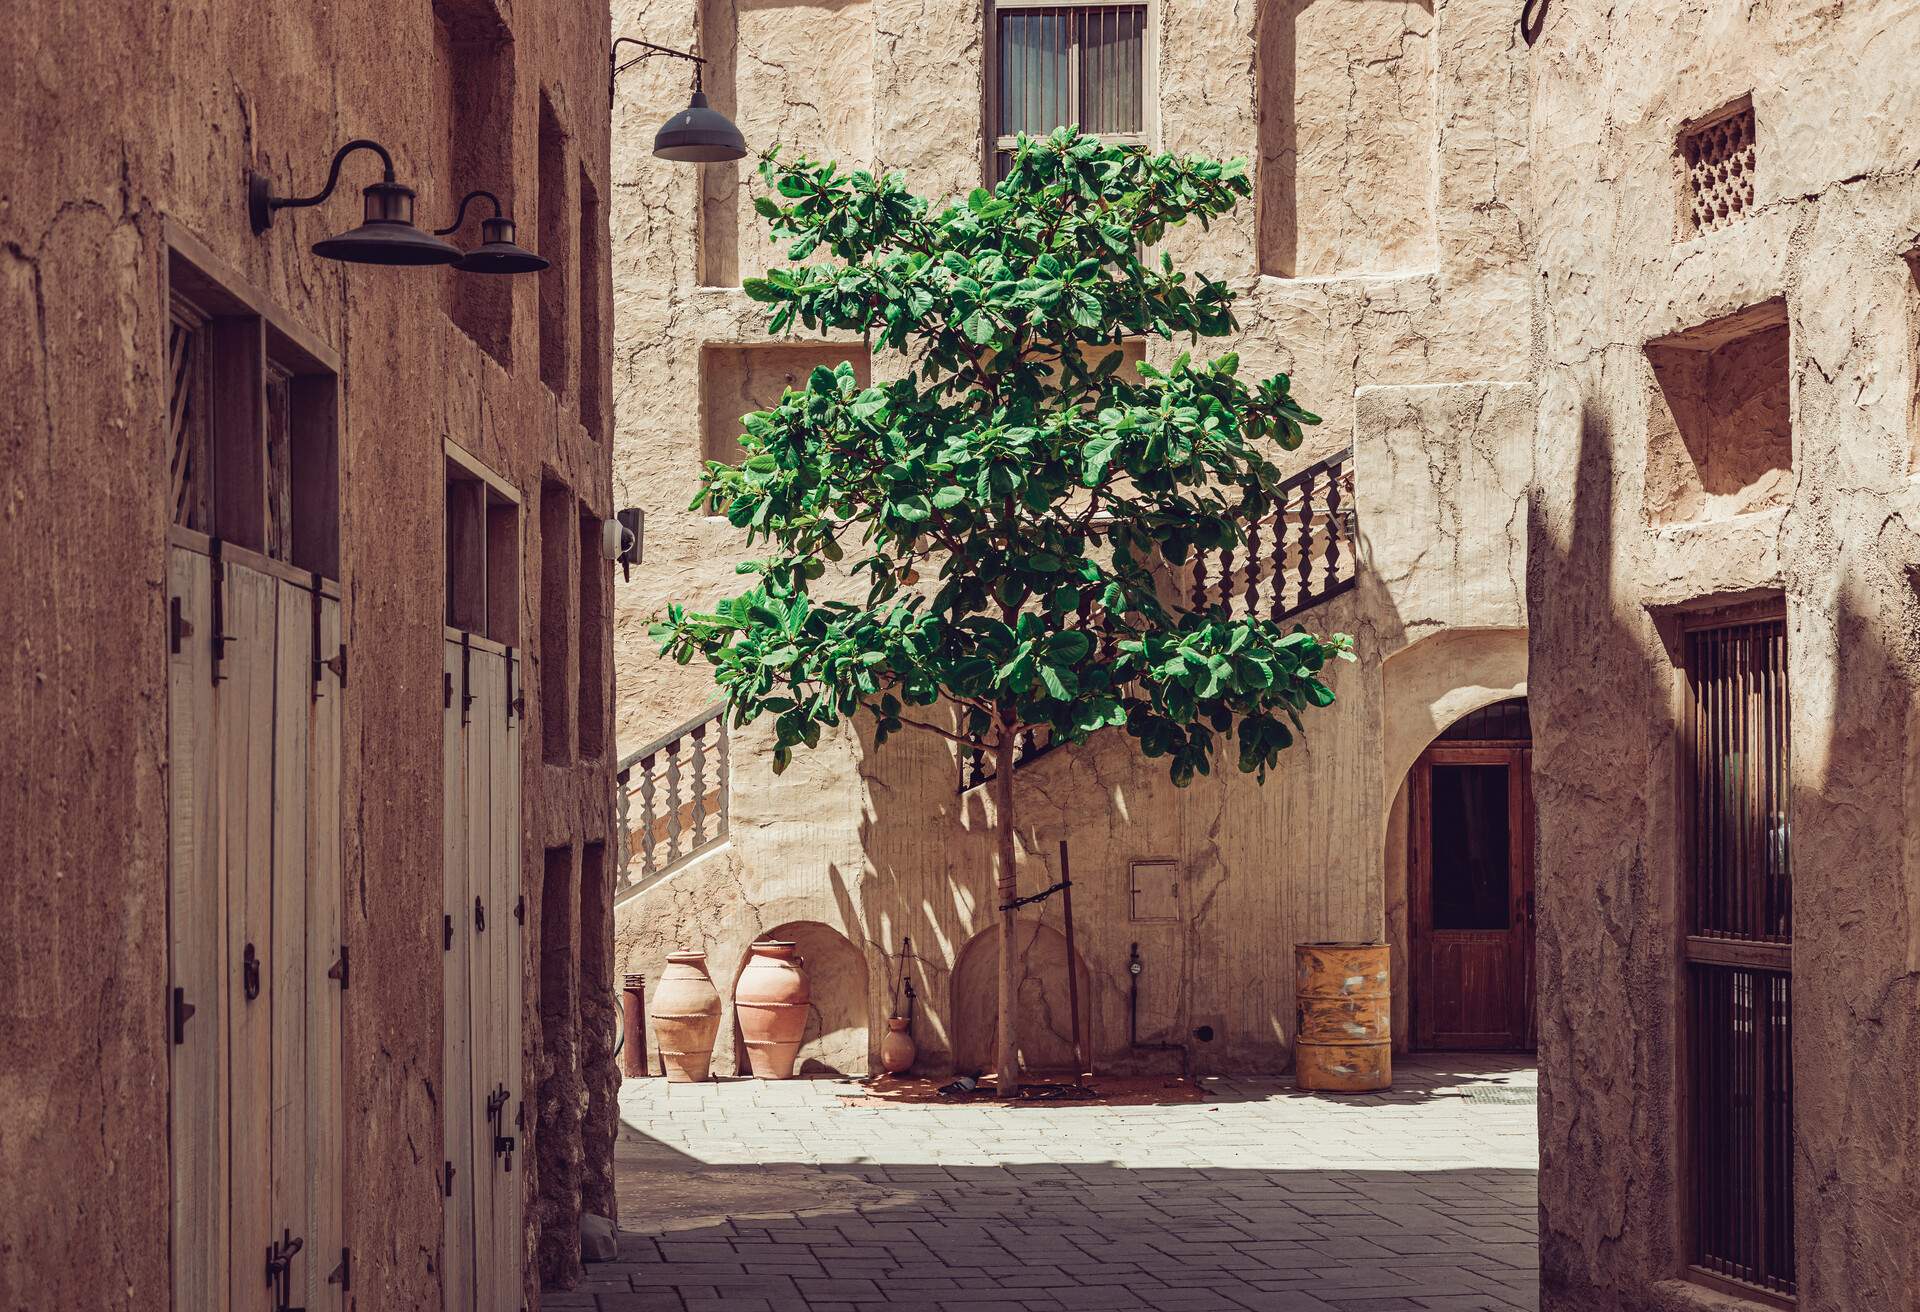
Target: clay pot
686, 1016
897, 1050
771, 1002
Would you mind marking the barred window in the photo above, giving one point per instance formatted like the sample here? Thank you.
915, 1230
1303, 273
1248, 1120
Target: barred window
1738, 954
1073, 63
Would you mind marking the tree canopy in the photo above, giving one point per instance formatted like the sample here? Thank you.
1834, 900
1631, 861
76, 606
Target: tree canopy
1009, 497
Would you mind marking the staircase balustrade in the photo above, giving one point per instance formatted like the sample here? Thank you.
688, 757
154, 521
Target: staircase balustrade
673, 800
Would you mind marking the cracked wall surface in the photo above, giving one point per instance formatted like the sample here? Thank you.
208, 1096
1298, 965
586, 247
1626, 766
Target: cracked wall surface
1422, 362
123, 124
1836, 207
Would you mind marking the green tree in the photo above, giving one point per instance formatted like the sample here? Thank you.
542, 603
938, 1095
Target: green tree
1010, 497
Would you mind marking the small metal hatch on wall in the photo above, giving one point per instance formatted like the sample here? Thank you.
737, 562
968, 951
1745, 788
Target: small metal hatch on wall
1154, 891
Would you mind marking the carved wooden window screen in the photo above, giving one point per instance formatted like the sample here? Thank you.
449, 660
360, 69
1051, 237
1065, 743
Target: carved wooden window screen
1717, 159
1738, 953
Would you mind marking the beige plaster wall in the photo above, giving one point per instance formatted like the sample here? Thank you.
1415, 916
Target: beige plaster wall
1420, 360
1837, 204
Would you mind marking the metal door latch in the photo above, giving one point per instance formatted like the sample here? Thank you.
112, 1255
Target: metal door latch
496, 1117
250, 973
280, 1271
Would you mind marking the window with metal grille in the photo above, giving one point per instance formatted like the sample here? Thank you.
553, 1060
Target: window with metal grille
1738, 953
1075, 63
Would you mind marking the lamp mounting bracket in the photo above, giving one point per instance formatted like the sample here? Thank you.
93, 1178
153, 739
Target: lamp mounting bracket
461, 216
648, 51
262, 203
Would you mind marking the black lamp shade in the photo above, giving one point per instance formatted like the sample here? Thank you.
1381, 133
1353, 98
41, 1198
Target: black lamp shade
699, 134
388, 235
497, 252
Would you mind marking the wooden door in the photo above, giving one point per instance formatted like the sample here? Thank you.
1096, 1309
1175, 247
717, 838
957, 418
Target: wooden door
255, 960
481, 1043
1470, 868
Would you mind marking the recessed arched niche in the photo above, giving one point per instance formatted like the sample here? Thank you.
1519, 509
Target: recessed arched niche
1348, 137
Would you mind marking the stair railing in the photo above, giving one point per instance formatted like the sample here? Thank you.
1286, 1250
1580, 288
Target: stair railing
1297, 557
1303, 553
673, 800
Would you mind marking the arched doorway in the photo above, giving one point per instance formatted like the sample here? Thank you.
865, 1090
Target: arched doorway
1470, 883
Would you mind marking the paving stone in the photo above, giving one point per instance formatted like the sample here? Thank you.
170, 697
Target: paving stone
1263, 1201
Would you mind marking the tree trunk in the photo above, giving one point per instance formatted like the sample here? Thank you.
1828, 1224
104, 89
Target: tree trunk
1006, 1061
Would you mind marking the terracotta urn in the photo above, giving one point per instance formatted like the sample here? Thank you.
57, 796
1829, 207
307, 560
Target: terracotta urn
686, 1016
771, 1002
896, 1047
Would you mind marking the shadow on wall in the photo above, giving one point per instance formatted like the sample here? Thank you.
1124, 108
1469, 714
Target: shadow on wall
1045, 1026
839, 1038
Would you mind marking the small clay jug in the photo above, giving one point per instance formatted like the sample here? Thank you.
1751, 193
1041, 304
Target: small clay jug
896, 1047
686, 1016
771, 1002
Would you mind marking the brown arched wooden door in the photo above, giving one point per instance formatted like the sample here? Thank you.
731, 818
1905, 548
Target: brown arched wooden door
1470, 885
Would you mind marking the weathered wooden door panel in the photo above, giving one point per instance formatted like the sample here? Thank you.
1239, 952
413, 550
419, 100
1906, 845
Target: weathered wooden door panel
326, 976
503, 736
254, 935
482, 1017
287, 957
456, 1064
1471, 894
483, 980
197, 948
244, 718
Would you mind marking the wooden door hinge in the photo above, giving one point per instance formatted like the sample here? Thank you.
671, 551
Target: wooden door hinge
217, 579
520, 908
182, 1013
339, 971
446, 1180
447, 946
179, 627
446, 690
343, 1274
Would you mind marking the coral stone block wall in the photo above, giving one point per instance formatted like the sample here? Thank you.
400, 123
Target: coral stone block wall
129, 128
1726, 414
1383, 265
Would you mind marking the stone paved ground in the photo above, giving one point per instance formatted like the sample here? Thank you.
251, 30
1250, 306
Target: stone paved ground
749, 1196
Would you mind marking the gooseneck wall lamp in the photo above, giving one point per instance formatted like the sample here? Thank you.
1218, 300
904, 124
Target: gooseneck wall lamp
698, 134
386, 236
497, 252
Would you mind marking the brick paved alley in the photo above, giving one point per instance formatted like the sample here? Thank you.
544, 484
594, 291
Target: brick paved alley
747, 1195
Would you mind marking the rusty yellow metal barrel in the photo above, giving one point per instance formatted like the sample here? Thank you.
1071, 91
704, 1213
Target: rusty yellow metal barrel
1343, 1000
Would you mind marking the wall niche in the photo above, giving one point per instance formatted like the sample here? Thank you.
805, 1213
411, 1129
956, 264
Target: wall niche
736, 380
1719, 418
1348, 137
799, 72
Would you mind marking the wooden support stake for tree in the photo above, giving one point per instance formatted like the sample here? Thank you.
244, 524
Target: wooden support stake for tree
1006, 1068
1082, 1059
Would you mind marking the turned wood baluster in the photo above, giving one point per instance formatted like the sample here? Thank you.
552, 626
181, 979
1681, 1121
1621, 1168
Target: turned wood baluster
1199, 579
647, 813
673, 801
699, 835
1253, 569
726, 782
1226, 577
1306, 541
1335, 526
